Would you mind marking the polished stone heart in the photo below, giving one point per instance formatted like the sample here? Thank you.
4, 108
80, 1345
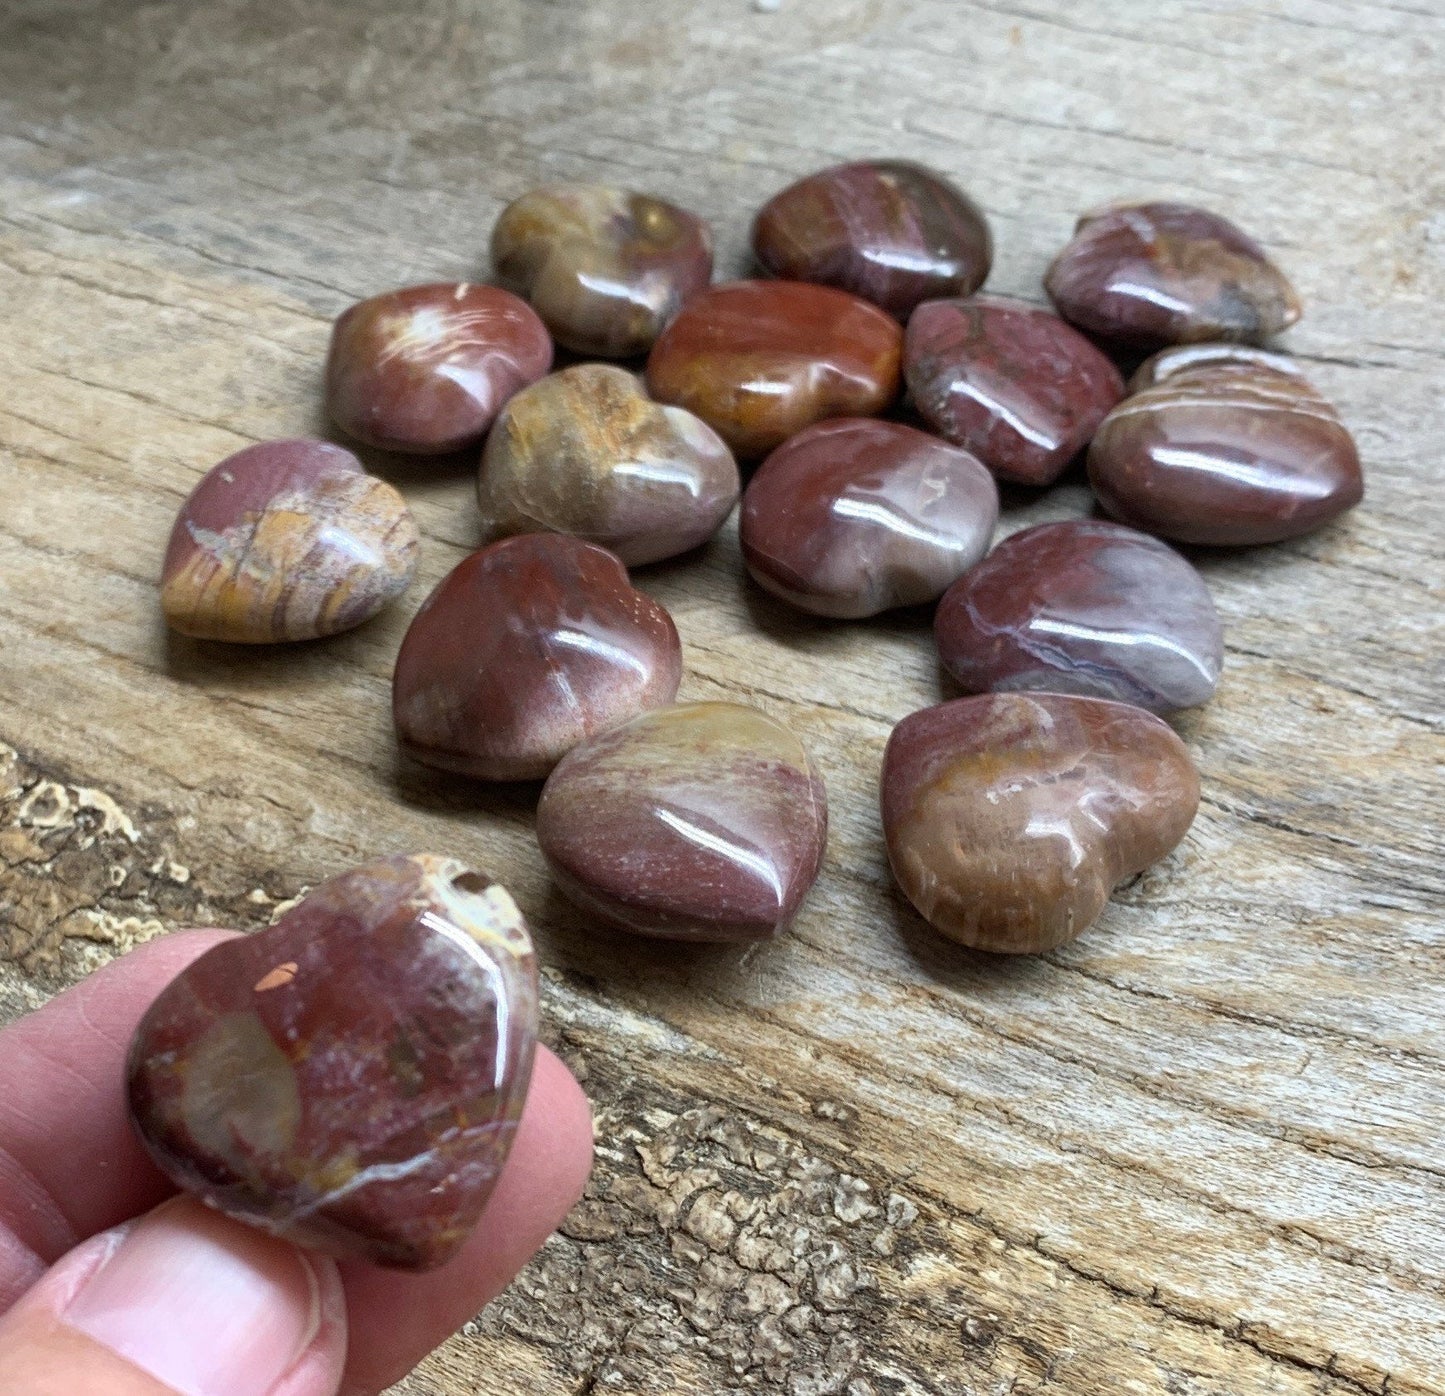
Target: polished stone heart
703, 821
760, 360
856, 516
586, 452
1008, 381
1226, 446
1011, 818
1088, 607
288, 540
890, 231
426, 369
350, 1078
525, 649
605, 268
1165, 273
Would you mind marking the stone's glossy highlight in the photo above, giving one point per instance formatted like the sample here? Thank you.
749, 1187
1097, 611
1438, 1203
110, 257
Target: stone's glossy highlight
605, 268
760, 360
1084, 607
287, 540
1010, 382
426, 370
890, 231
703, 821
1224, 446
1165, 273
1010, 818
586, 452
351, 1077
853, 516
525, 649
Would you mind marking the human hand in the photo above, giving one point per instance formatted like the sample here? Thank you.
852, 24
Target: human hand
110, 1285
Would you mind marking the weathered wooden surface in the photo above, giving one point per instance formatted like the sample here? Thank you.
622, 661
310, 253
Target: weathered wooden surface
1198, 1152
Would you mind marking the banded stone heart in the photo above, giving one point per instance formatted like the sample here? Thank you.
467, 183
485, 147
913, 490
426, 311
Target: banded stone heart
287, 540
605, 268
426, 369
1226, 446
1083, 606
587, 452
1165, 273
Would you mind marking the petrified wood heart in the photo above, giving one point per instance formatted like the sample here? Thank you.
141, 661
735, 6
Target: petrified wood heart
426, 369
605, 268
1166, 273
286, 540
1010, 818
702, 821
351, 1077
525, 649
1227, 446
1083, 606
586, 452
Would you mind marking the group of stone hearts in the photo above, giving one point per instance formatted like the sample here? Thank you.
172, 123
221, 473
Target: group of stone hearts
1009, 816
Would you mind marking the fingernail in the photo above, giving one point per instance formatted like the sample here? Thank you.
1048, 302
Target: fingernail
204, 1304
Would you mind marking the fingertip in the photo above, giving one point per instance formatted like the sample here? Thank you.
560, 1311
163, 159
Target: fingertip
552, 1154
397, 1319
68, 1156
175, 950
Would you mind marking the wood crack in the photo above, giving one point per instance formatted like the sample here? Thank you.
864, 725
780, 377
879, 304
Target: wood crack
1293, 1029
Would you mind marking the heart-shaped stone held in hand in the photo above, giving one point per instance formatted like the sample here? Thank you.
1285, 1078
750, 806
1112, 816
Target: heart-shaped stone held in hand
350, 1078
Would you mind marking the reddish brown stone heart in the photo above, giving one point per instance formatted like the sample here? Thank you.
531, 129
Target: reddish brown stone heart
1083, 606
760, 360
1165, 273
426, 369
1008, 381
1226, 446
525, 649
855, 516
890, 231
702, 821
350, 1078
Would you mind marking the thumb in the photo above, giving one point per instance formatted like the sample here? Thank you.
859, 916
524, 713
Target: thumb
183, 1300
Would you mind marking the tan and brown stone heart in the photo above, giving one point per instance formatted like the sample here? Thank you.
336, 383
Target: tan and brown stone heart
1010, 818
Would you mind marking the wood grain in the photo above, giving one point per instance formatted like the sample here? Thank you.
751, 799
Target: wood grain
1199, 1151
